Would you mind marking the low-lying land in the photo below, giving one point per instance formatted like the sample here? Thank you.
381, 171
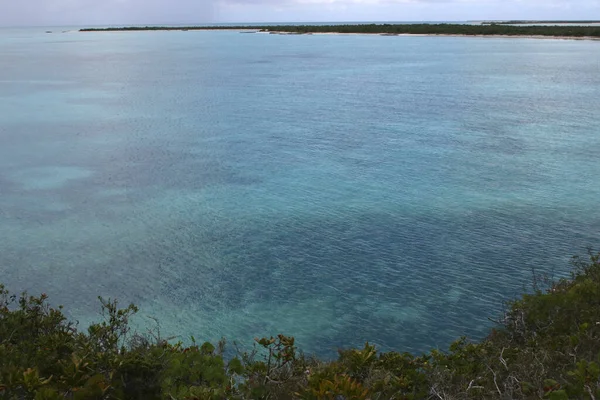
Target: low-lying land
545, 22
391, 29
545, 346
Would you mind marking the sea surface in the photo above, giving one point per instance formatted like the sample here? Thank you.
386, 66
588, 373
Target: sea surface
338, 188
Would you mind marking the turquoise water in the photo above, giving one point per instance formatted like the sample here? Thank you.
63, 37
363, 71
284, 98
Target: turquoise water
336, 188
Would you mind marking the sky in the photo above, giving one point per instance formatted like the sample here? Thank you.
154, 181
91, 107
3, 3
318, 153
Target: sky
123, 12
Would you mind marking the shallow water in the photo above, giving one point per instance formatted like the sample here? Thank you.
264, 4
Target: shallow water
335, 188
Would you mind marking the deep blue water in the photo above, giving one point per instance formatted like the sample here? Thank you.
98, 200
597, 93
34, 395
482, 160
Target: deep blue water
336, 188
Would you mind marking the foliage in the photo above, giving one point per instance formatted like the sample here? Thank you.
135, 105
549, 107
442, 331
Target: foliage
546, 346
391, 29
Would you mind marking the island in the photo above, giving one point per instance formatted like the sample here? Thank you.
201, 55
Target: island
544, 22
495, 29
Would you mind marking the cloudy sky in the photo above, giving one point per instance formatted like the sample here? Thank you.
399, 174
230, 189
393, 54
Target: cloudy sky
101, 12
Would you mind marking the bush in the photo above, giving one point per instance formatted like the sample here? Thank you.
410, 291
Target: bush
546, 346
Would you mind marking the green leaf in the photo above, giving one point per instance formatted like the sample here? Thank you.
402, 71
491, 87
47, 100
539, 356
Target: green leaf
207, 348
235, 366
558, 395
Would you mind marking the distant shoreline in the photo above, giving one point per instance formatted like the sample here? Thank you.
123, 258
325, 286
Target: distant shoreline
439, 35
480, 30
521, 22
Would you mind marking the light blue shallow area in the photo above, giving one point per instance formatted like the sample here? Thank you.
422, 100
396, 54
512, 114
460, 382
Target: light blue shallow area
335, 188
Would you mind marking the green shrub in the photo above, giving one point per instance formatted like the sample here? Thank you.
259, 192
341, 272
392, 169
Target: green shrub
546, 346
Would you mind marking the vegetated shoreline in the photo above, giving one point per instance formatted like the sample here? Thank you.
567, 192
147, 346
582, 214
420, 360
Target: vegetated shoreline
442, 35
540, 21
545, 345
491, 30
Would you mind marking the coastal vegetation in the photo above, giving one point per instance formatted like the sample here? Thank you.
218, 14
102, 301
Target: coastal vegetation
546, 345
390, 29
545, 22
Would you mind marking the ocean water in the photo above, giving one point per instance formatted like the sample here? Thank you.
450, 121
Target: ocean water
335, 188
